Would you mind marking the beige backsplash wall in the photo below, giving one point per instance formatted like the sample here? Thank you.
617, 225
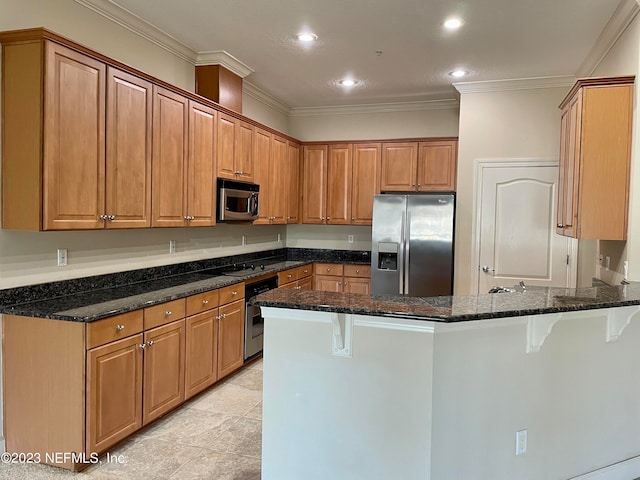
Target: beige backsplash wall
329, 236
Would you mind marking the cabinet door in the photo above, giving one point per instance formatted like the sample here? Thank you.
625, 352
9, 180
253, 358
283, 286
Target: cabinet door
365, 181
244, 153
170, 149
114, 392
201, 179
230, 338
201, 363
262, 165
569, 163
357, 285
293, 183
314, 183
305, 283
128, 161
437, 166
399, 167
74, 140
278, 181
163, 370
339, 171
227, 127
328, 283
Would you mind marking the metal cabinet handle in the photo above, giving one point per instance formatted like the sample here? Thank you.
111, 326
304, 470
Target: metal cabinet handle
102, 217
111, 217
289, 275
205, 302
345, 282
234, 293
560, 225
357, 271
149, 343
168, 312
119, 327
224, 315
142, 346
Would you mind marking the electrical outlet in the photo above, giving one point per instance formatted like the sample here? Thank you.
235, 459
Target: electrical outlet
625, 269
172, 246
62, 257
349, 238
607, 262
521, 442
244, 240
600, 259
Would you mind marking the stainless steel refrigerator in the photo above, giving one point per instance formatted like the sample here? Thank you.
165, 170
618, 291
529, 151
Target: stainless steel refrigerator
412, 244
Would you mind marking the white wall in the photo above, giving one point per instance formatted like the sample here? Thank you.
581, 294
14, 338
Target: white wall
264, 114
623, 59
379, 125
506, 125
329, 236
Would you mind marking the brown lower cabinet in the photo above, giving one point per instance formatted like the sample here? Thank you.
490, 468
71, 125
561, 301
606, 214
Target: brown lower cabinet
76, 387
299, 278
348, 278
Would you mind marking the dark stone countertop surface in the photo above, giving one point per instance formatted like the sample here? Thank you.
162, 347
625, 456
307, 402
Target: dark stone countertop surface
534, 301
102, 303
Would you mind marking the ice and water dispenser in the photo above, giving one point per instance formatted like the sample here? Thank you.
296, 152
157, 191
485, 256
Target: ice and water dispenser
388, 255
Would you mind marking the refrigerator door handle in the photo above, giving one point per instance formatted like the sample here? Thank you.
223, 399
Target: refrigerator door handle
401, 255
407, 242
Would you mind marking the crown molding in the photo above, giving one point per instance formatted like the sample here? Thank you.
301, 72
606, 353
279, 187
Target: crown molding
375, 108
228, 61
615, 27
264, 97
515, 84
140, 27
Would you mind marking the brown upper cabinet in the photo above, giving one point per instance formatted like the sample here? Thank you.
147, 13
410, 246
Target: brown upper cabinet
419, 166
270, 156
63, 163
293, 183
235, 149
183, 161
339, 182
595, 152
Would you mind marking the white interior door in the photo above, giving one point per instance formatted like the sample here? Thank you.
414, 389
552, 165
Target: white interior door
517, 239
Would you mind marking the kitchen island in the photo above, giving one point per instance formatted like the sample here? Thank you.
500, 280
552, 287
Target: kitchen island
437, 388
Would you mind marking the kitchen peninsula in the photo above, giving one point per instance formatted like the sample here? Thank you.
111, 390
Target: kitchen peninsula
440, 388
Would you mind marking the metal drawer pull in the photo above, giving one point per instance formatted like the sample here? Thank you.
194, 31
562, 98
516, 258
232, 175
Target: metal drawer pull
289, 276
119, 327
142, 346
205, 302
224, 315
168, 312
234, 293
149, 343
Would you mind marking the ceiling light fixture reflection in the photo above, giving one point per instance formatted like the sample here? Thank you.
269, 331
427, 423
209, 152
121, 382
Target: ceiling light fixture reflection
458, 73
307, 37
452, 23
347, 82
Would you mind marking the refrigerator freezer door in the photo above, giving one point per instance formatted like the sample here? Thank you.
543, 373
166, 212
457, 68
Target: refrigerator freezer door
429, 258
387, 248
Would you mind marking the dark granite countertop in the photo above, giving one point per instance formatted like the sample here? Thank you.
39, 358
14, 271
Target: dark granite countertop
534, 301
102, 303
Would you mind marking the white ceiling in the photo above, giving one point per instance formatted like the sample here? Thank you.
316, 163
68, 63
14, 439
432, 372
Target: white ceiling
501, 39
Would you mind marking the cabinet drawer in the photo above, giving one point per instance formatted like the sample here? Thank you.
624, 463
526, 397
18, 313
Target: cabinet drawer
202, 302
231, 293
113, 328
329, 269
362, 271
164, 313
305, 271
287, 276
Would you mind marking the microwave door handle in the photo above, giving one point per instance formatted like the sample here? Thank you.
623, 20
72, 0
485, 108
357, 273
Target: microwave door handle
253, 204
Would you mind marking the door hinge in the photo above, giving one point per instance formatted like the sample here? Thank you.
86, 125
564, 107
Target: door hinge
567, 259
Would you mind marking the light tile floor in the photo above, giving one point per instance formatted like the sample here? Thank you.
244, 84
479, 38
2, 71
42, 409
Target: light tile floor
216, 436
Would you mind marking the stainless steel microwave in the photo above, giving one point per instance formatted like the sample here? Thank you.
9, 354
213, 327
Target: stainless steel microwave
237, 201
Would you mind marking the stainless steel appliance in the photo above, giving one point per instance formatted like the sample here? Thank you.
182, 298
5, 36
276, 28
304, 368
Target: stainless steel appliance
254, 323
412, 244
237, 201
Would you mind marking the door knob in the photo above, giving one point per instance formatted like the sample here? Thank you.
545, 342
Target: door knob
486, 269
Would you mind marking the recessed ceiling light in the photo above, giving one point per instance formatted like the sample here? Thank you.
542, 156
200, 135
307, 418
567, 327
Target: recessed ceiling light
452, 23
307, 37
347, 82
458, 73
